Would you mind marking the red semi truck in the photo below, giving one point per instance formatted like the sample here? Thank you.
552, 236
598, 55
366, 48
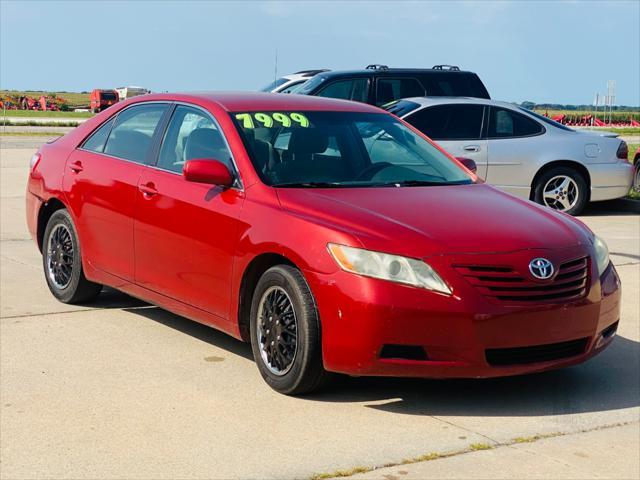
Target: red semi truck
101, 99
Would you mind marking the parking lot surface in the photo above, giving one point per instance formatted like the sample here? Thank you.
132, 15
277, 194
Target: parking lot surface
122, 389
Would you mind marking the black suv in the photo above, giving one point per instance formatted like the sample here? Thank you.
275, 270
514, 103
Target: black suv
379, 84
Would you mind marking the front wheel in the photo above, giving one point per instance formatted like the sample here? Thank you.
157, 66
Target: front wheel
62, 261
563, 189
285, 332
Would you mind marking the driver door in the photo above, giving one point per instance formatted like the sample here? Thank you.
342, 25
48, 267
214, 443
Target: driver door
185, 233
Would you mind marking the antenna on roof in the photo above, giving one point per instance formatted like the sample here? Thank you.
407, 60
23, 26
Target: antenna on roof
275, 67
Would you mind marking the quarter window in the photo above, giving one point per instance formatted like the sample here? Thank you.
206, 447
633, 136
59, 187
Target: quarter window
348, 89
96, 141
390, 89
133, 131
449, 122
504, 123
191, 135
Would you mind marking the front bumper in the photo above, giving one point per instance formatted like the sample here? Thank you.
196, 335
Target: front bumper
360, 316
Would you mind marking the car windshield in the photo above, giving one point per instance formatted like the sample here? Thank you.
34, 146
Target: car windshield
311, 84
275, 84
342, 149
400, 108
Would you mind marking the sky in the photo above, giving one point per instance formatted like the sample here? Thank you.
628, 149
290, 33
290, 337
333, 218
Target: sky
542, 51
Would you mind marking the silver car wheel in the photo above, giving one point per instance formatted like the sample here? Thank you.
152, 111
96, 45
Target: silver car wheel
636, 177
561, 193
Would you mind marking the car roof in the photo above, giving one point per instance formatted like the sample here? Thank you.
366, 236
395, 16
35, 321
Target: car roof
253, 101
430, 101
295, 76
389, 72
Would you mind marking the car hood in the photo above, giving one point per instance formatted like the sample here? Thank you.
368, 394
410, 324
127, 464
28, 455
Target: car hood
422, 221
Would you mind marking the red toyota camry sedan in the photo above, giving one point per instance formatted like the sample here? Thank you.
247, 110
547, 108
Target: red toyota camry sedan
331, 235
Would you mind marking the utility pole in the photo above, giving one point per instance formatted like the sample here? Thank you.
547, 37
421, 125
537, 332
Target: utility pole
611, 96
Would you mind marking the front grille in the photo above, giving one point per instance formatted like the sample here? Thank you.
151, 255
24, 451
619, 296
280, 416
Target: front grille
505, 284
534, 354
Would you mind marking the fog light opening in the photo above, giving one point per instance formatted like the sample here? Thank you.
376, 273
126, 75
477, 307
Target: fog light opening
403, 352
607, 335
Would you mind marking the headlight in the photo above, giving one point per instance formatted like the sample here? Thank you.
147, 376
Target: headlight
388, 267
602, 254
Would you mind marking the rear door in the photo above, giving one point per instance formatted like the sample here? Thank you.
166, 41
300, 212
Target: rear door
186, 232
101, 182
511, 153
389, 89
457, 128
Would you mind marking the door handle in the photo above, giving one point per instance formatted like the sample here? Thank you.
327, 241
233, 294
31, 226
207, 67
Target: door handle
76, 167
471, 148
148, 189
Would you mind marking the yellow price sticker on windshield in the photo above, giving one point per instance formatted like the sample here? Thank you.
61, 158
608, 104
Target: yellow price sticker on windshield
269, 120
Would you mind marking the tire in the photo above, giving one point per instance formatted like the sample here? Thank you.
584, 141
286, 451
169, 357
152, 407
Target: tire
296, 370
62, 261
571, 198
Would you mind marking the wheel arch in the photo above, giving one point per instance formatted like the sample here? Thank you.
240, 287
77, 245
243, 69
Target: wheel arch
561, 163
44, 214
250, 277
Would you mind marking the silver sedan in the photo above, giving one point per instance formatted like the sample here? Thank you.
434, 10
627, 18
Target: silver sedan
524, 153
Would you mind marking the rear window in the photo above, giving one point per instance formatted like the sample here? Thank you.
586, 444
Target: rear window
454, 84
108, 95
547, 120
400, 107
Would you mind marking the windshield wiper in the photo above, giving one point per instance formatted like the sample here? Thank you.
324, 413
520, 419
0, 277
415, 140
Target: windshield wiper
308, 185
413, 183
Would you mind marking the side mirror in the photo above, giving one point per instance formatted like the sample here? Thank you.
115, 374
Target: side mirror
467, 162
210, 171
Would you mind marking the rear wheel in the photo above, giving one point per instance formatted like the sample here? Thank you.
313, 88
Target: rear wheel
62, 261
563, 189
285, 332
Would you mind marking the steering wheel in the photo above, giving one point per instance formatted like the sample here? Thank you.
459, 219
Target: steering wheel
371, 170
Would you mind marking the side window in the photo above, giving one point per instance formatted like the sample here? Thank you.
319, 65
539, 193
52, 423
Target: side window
348, 89
390, 89
449, 122
131, 135
504, 123
96, 141
191, 135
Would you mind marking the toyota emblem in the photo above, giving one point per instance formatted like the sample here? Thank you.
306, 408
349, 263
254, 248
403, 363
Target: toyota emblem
541, 268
